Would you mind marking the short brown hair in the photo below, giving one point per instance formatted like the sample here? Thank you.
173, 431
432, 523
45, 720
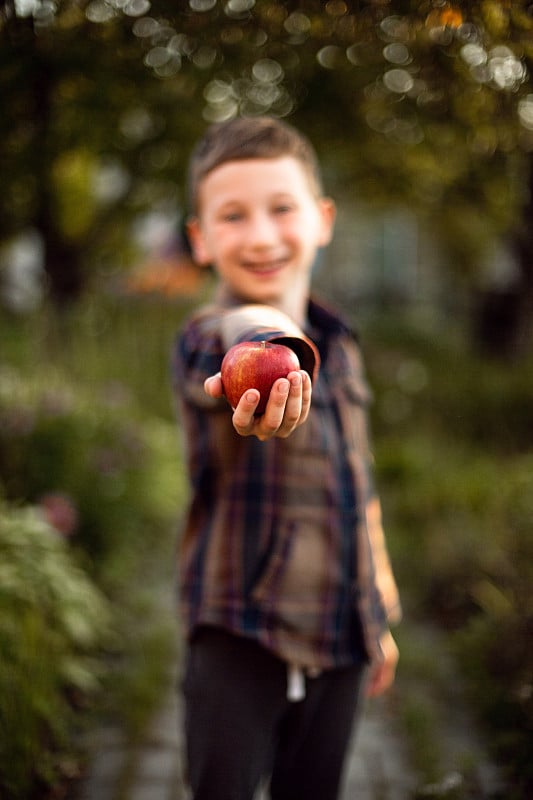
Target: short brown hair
245, 138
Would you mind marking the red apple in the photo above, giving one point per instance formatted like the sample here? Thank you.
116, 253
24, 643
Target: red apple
255, 365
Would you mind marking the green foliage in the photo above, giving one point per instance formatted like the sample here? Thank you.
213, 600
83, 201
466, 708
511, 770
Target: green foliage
119, 345
427, 377
494, 651
101, 111
116, 472
150, 645
52, 620
469, 519
104, 469
455, 470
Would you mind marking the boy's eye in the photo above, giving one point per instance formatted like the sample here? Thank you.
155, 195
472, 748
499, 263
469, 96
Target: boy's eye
283, 208
232, 216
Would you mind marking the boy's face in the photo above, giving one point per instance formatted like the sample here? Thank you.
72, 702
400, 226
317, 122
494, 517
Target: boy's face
259, 225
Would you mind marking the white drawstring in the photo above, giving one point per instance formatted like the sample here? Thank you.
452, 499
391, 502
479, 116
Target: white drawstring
295, 683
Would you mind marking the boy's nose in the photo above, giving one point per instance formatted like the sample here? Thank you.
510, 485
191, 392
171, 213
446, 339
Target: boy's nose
262, 231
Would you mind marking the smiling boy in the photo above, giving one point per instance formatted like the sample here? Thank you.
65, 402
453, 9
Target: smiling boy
285, 581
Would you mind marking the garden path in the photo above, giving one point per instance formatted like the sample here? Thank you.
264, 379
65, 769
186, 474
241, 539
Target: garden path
377, 767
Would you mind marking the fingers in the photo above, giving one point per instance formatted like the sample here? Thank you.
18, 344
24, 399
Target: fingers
381, 679
244, 421
213, 386
382, 675
287, 407
306, 396
279, 417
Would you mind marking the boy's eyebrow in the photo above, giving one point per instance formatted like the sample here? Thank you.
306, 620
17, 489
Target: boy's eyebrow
234, 201
230, 203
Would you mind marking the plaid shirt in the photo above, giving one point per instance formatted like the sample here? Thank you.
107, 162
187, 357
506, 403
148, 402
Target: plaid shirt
282, 541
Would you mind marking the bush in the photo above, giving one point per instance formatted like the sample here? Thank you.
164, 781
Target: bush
494, 652
104, 470
107, 480
52, 621
427, 382
454, 467
467, 526
63, 446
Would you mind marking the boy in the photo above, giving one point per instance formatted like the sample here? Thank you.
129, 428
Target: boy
285, 581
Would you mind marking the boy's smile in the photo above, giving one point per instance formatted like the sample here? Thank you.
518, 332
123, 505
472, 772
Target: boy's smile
260, 225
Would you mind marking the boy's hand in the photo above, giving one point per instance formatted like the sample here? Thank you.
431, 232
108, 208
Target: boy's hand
382, 675
288, 406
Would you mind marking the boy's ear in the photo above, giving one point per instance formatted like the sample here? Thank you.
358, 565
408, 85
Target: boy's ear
196, 239
328, 214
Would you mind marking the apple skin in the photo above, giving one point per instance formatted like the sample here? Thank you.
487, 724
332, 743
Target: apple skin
255, 365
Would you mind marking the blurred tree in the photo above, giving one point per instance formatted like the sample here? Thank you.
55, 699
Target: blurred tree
87, 137
425, 103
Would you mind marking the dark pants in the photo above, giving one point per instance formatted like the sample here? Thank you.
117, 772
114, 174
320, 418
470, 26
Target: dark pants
240, 727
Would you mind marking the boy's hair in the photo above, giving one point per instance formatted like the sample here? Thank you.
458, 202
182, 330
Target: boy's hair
246, 138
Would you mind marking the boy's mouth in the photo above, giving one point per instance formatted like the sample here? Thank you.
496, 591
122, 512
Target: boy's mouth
264, 267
